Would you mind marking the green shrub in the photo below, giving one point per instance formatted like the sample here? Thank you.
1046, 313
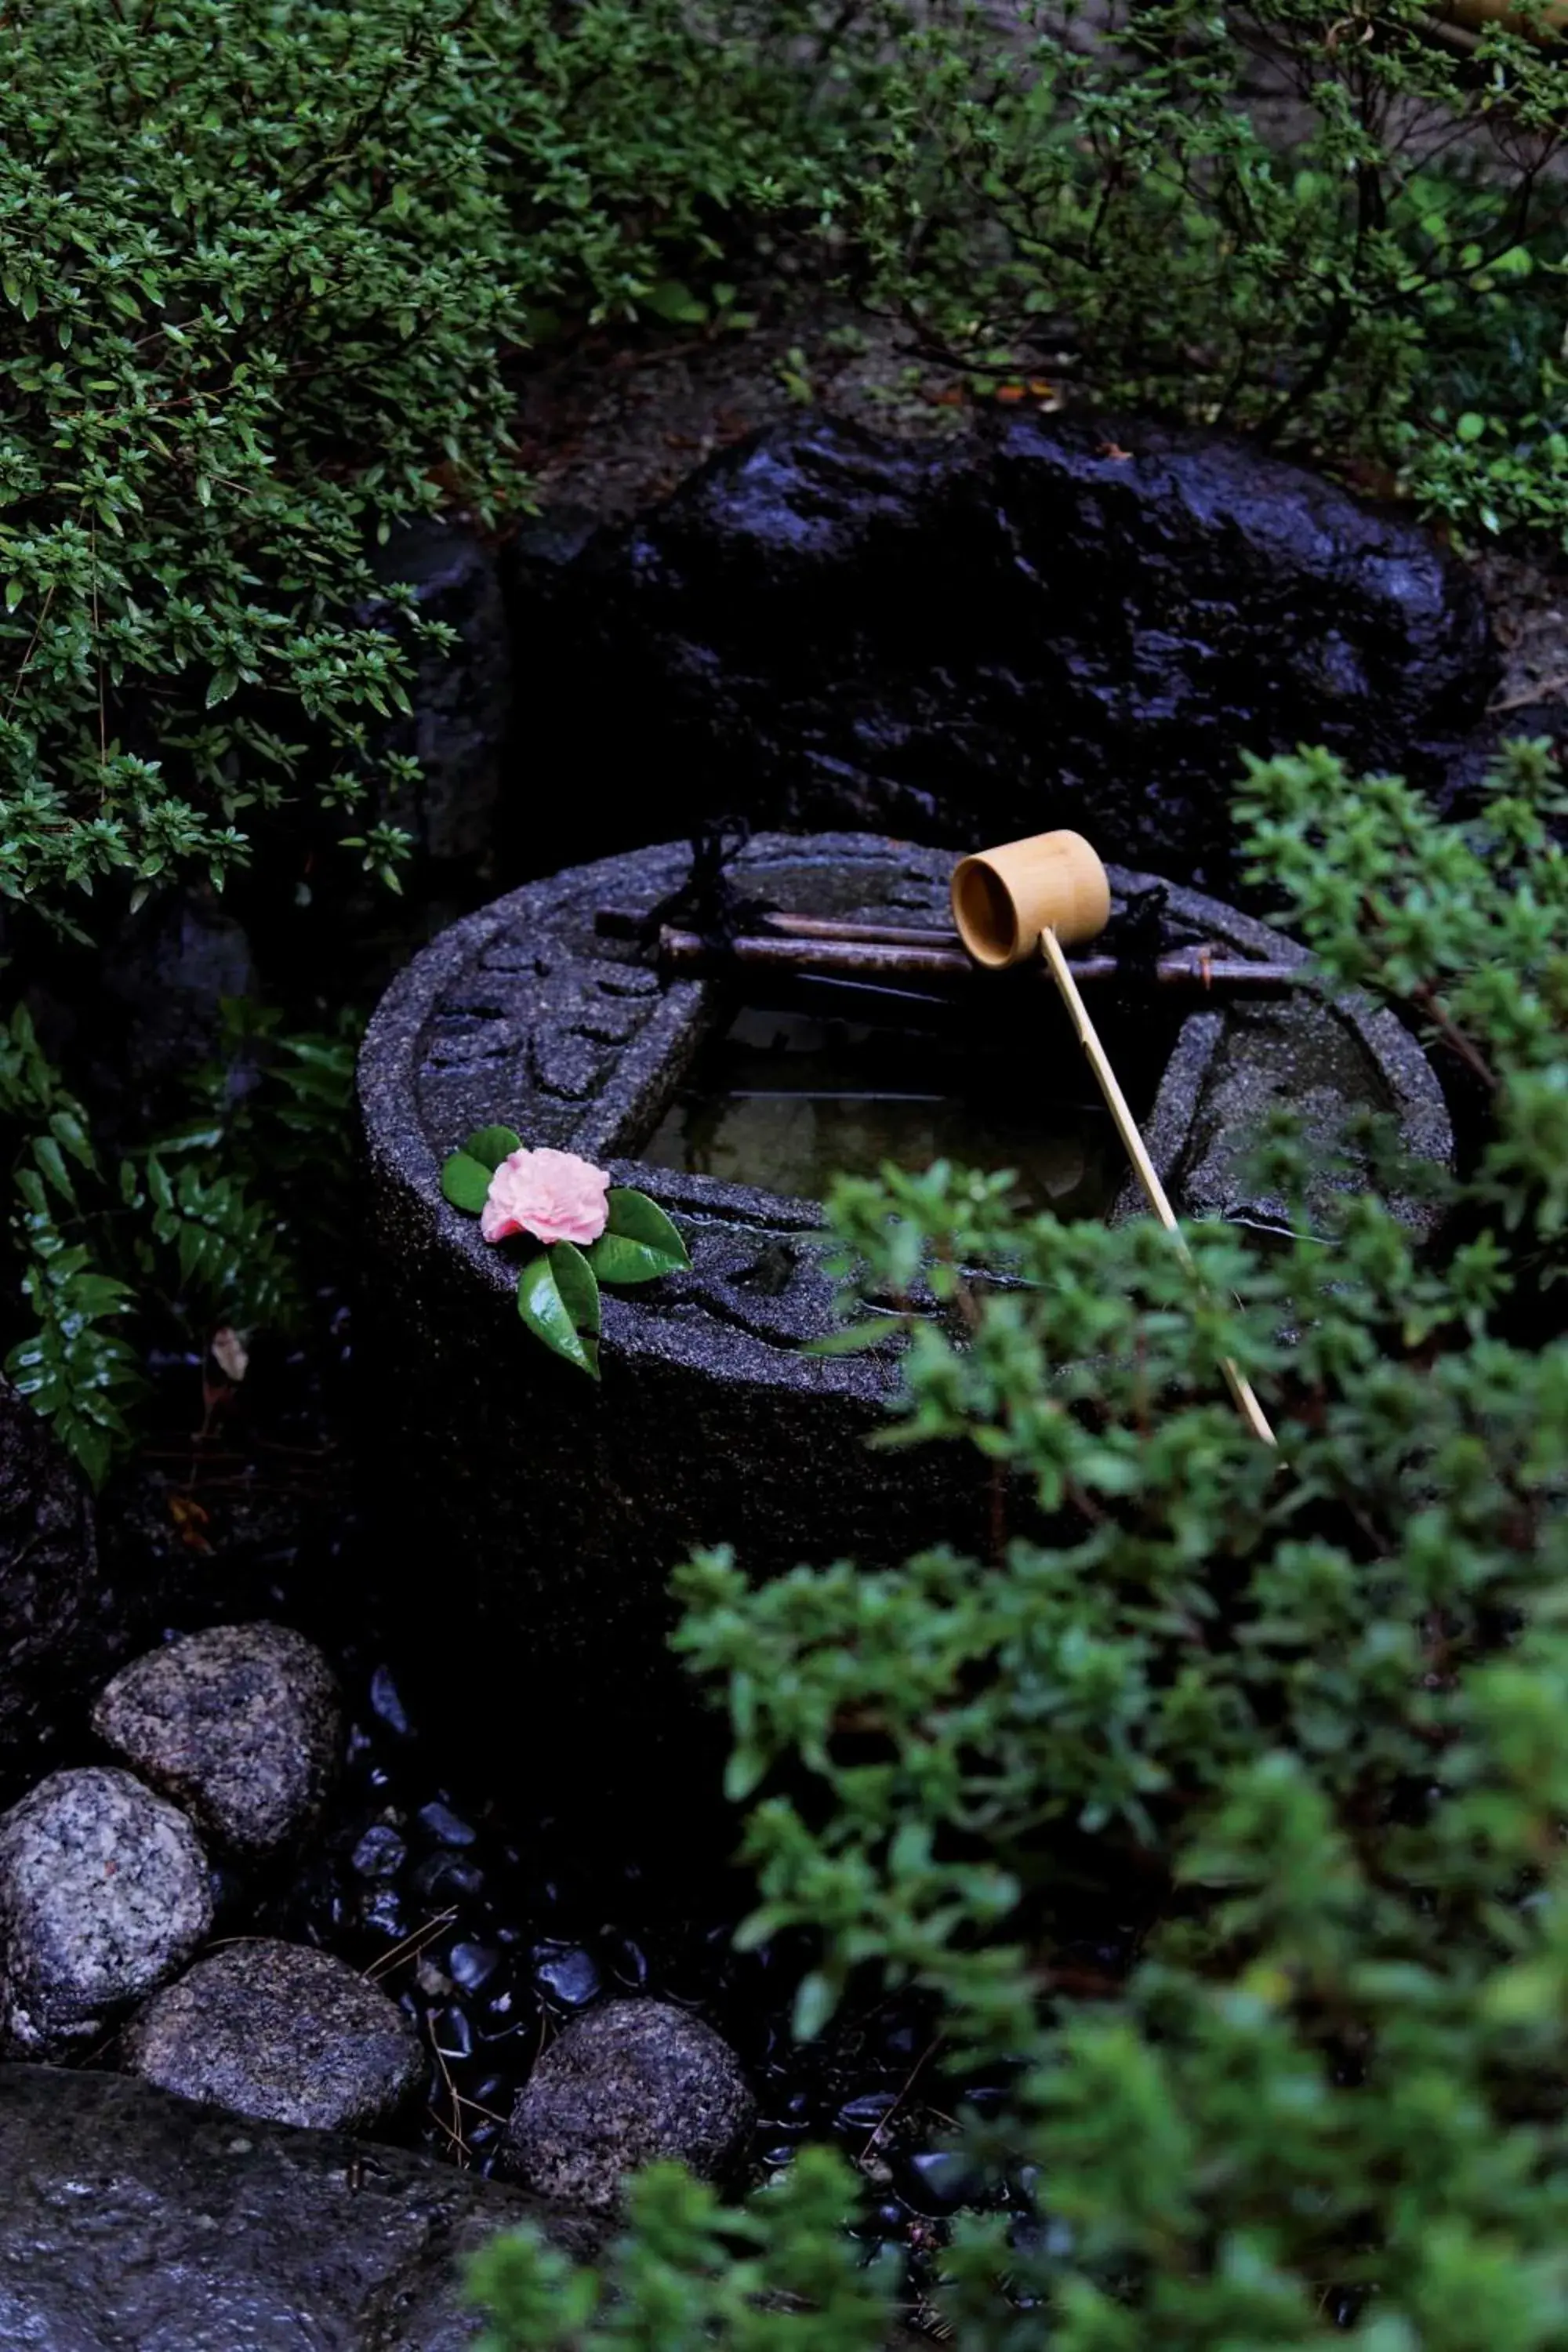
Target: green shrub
259, 265
1304, 1716
1368, 259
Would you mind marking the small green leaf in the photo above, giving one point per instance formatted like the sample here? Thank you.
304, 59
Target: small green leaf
466, 1183
542, 1308
634, 1217
490, 1145
814, 2001
51, 1159
579, 1290
1470, 426
615, 1259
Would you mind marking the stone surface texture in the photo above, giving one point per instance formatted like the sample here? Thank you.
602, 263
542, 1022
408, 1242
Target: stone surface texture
104, 1894
51, 1593
459, 727
628, 2083
240, 1724
166, 977
279, 2032
132, 2222
564, 1505
1041, 624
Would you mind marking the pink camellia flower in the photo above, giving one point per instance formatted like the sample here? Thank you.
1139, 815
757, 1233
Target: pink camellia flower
553, 1195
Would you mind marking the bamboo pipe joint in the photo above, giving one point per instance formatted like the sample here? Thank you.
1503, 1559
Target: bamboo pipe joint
1003, 898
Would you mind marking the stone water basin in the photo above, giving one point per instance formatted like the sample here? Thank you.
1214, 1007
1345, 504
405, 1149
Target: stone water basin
563, 1506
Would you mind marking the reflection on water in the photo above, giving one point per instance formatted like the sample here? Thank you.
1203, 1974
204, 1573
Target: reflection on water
785, 1101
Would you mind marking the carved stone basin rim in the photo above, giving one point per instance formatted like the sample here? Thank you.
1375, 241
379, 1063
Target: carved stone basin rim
522, 1013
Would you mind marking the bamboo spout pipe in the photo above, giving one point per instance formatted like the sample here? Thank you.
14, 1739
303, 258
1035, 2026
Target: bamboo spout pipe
1038, 897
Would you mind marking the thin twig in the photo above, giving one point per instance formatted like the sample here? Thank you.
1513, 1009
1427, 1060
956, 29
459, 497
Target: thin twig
927, 2052
411, 1946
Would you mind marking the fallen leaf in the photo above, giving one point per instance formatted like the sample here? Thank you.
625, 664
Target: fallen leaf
1009, 393
230, 1354
1111, 449
190, 1519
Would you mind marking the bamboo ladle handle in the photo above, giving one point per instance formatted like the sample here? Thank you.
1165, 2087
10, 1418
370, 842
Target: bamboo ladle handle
1022, 899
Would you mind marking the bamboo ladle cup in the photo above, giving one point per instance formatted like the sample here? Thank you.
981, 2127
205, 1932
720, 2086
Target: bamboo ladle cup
1038, 896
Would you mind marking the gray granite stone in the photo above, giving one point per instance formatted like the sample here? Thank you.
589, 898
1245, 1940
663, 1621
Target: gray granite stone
104, 1894
624, 2086
280, 2031
239, 1723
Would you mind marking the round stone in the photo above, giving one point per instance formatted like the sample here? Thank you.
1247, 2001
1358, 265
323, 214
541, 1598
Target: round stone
240, 1724
628, 2083
104, 1894
282, 2032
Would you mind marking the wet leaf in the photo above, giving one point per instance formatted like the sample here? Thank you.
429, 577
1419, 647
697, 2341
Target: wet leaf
490, 1145
542, 1308
466, 1183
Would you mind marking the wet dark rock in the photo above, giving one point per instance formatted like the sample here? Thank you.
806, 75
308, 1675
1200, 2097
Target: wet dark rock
443, 1823
167, 978
442, 1876
280, 2031
461, 719
104, 1894
452, 2033
629, 2083
240, 1723
569, 1976
472, 1965
380, 1852
959, 643
134, 2219
387, 1702
52, 1596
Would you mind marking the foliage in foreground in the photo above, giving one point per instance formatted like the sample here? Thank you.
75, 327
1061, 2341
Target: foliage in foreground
1301, 1721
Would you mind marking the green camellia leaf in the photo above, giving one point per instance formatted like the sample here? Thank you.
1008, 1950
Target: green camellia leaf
466, 1182
574, 1279
545, 1312
490, 1145
638, 1243
615, 1259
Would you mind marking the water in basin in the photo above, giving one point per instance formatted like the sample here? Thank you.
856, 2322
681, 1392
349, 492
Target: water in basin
786, 1100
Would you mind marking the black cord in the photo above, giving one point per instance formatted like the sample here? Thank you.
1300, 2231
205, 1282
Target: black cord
707, 901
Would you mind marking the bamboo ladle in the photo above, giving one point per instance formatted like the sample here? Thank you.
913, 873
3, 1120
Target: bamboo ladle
1039, 897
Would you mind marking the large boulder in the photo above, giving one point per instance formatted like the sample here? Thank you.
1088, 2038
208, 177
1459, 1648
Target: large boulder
51, 1595
132, 2219
956, 643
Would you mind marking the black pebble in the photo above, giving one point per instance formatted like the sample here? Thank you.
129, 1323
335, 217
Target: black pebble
384, 1699
445, 1825
571, 1977
380, 1853
472, 1965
